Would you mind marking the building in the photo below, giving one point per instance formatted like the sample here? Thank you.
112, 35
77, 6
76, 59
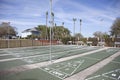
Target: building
31, 31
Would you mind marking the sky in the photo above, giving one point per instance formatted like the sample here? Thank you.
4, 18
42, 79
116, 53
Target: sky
96, 15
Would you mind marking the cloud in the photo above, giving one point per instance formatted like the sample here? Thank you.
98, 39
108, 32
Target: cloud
30, 13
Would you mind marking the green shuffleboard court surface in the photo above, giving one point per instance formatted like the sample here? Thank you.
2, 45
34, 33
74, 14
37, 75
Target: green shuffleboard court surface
40, 50
10, 64
70, 67
6, 57
3, 52
45, 57
109, 72
34, 74
61, 70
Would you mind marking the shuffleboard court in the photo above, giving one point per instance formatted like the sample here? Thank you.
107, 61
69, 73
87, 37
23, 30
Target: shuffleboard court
10, 64
3, 52
34, 74
70, 67
57, 55
6, 57
103, 54
56, 71
40, 50
109, 72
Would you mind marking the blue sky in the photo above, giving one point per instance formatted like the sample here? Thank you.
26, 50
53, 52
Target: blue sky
96, 15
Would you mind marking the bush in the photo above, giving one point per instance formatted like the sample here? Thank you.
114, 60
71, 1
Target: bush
65, 40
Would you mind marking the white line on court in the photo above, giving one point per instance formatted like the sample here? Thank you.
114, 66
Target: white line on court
51, 73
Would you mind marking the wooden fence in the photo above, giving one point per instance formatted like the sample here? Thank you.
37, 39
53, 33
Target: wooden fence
13, 43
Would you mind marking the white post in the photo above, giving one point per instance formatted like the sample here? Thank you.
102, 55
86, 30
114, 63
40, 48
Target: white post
50, 30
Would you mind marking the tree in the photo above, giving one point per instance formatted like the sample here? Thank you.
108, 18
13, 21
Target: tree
98, 34
61, 32
46, 24
43, 32
105, 35
78, 36
6, 30
58, 32
74, 19
62, 23
115, 28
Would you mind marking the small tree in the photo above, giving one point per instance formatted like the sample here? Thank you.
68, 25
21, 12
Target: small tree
78, 36
6, 30
98, 34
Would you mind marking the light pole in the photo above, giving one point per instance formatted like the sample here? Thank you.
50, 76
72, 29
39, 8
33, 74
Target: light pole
51, 21
74, 19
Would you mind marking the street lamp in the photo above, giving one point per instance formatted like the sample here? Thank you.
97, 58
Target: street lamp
50, 30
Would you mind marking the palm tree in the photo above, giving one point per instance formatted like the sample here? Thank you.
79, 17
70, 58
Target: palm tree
115, 28
52, 24
62, 23
74, 19
46, 24
80, 25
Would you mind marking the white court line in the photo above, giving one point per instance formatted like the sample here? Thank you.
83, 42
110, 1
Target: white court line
92, 58
58, 70
50, 73
105, 74
77, 67
5, 54
109, 77
93, 77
